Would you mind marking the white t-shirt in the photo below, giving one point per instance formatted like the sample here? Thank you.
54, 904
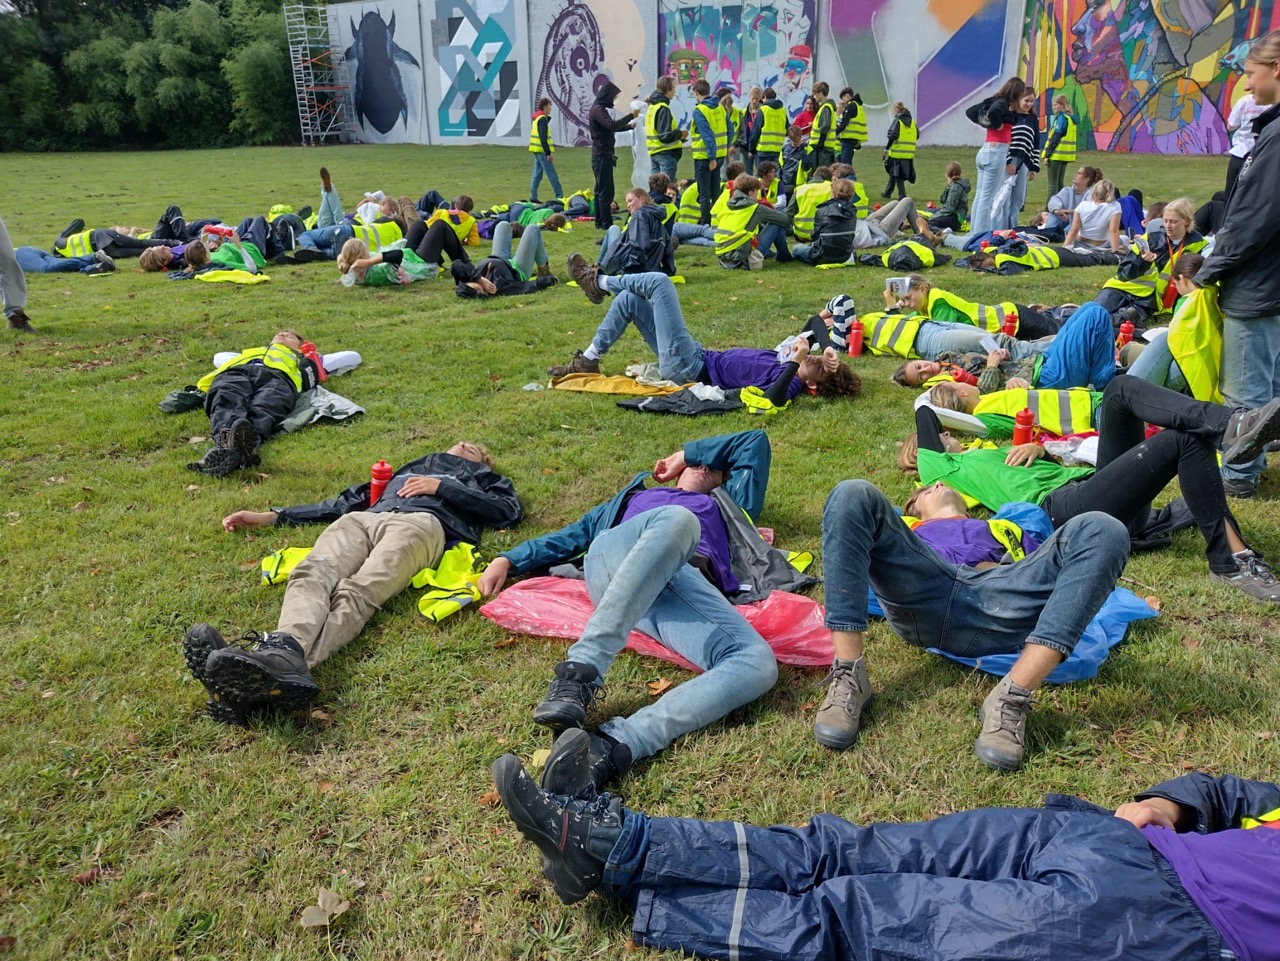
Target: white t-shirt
1243, 115
1095, 220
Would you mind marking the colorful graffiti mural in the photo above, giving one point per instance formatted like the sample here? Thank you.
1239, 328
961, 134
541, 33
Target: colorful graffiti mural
481, 79
737, 46
1145, 76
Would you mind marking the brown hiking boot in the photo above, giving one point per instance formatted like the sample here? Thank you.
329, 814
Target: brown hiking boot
18, 320
840, 716
325, 182
579, 365
584, 275
1004, 726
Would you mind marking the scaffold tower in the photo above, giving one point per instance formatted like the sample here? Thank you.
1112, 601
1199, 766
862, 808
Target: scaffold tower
319, 74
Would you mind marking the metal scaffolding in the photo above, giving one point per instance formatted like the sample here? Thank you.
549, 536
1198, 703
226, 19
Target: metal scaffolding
319, 75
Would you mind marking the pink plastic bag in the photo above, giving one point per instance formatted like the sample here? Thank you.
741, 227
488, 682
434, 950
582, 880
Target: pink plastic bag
560, 607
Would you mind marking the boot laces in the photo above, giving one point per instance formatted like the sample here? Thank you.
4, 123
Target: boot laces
564, 689
249, 641
842, 685
1010, 710
1254, 566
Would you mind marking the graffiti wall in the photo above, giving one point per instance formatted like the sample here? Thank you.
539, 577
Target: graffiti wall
1148, 76
382, 44
738, 46
478, 85
576, 46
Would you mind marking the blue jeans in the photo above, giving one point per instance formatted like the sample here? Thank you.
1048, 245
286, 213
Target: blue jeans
665, 163
649, 303
940, 336
330, 213
1006, 218
542, 164
1047, 599
530, 255
34, 260
698, 235
803, 252
1156, 364
990, 163
327, 240
1250, 374
1041, 885
638, 575
612, 237
1082, 353
774, 237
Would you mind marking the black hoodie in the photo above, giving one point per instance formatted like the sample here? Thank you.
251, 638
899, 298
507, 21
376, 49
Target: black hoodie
603, 126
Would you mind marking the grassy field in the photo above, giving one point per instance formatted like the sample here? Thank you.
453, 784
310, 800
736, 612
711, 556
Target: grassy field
131, 826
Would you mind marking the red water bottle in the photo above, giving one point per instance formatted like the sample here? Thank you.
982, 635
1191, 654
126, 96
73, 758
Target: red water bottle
1023, 421
1010, 325
219, 230
856, 334
962, 376
309, 351
379, 474
1126, 333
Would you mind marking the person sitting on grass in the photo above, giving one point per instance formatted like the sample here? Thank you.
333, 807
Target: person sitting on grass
500, 273
366, 556
834, 228
670, 562
643, 244
1168, 875
953, 207
649, 303
739, 220
249, 397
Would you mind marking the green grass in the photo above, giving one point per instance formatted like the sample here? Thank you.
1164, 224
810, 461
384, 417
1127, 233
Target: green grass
213, 838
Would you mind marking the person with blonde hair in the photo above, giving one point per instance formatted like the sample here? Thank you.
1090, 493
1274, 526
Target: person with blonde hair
1095, 223
386, 268
1141, 287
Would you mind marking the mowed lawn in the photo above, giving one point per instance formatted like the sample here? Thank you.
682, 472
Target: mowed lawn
131, 826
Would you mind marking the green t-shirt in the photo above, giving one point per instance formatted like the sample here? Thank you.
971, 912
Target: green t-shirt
984, 476
941, 310
228, 254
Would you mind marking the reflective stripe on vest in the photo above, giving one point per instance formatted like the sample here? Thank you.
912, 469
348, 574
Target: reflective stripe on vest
892, 334
856, 128
1037, 258
808, 197
773, 129
904, 148
830, 108
690, 209
77, 245
1060, 412
651, 131
276, 356
719, 124
377, 236
535, 142
1065, 149
732, 230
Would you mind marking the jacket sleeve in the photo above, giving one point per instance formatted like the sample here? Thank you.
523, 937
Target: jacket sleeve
1218, 803
1132, 266
1253, 219
746, 456
668, 131
1059, 128
355, 498
495, 503
768, 215
892, 136
563, 545
845, 116
544, 123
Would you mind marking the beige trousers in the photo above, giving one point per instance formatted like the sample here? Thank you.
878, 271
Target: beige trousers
360, 562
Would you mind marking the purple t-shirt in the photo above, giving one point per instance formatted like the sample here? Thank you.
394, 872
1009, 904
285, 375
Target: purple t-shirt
713, 544
1232, 876
964, 540
746, 367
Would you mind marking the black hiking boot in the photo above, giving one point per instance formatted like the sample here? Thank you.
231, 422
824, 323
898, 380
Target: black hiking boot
574, 835
572, 689
272, 672
582, 764
19, 321
244, 440
217, 462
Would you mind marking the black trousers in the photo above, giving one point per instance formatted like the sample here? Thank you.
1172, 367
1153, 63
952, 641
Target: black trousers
430, 243
708, 182
1034, 324
253, 392
602, 167
115, 244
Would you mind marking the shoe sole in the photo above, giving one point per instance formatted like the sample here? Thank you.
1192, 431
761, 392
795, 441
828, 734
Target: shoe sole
506, 772
243, 438
196, 653
559, 715
566, 770
308, 255
243, 682
991, 760
1230, 583
1246, 449
217, 463
579, 276
829, 738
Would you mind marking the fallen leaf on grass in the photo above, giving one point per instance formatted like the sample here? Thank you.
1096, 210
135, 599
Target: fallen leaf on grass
86, 878
81, 506
56, 480
1153, 602
321, 914
1191, 643
489, 799
196, 440
324, 787
247, 565
46, 695
7, 942
191, 488
658, 686
540, 756
1265, 735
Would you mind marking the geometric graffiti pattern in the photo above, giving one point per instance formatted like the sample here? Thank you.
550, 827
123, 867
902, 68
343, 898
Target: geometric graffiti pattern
479, 70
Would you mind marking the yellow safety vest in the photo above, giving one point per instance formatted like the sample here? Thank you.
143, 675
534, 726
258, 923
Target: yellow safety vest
830, 108
924, 253
904, 148
988, 318
773, 129
856, 128
721, 204
719, 124
1262, 820
1060, 412
76, 245
892, 335
861, 202
1164, 276
1065, 149
732, 230
651, 131
377, 236
460, 221
1195, 340
276, 356
690, 209
754, 400
1037, 258
808, 196
535, 142
771, 191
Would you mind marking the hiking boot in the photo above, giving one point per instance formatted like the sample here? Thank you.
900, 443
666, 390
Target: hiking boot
582, 764
840, 716
584, 275
544, 270
574, 835
1239, 489
325, 181
104, 259
1253, 576
272, 671
201, 641
304, 212
579, 365
18, 320
309, 255
244, 440
1004, 726
217, 462
573, 688
1249, 432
